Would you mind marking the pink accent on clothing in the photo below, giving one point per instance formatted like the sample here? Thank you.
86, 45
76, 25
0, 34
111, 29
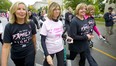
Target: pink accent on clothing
96, 30
86, 16
95, 27
53, 32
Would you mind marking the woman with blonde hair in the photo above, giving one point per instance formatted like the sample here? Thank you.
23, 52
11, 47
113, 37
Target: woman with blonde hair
19, 37
42, 17
51, 36
79, 32
89, 16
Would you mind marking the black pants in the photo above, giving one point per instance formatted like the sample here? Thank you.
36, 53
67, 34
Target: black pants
60, 59
29, 60
83, 56
1, 38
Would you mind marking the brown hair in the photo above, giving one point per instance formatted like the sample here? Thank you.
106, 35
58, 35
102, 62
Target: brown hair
89, 8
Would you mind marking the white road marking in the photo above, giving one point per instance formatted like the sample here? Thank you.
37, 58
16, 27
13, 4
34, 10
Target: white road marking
36, 64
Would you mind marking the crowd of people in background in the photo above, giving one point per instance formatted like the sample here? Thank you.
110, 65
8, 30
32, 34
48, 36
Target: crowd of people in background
77, 31
1, 32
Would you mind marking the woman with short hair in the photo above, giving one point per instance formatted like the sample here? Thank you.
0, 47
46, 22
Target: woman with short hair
79, 32
89, 16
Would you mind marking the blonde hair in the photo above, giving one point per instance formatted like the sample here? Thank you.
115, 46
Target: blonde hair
43, 11
13, 9
89, 8
51, 8
79, 6
70, 9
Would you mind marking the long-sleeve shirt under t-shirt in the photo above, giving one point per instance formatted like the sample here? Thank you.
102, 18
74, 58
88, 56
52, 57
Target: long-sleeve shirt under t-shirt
53, 32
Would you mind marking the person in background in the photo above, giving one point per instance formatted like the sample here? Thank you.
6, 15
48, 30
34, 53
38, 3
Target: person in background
79, 32
109, 21
68, 16
51, 36
42, 17
19, 37
1, 31
7, 15
91, 21
114, 16
33, 18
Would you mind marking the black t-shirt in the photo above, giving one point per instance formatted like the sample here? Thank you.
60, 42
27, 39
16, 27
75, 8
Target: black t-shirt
20, 38
78, 30
91, 23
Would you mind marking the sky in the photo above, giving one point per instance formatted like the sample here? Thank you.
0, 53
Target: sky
27, 2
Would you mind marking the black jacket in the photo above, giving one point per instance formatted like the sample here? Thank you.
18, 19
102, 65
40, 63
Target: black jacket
68, 17
108, 19
78, 30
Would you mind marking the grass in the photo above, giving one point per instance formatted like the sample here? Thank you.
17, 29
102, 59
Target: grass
99, 19
101, 22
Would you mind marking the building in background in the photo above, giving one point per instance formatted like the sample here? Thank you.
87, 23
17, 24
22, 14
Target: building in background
38, 4
107, 5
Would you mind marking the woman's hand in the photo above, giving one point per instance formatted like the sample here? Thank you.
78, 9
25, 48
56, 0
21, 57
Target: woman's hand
69, 39
100, 37
50, 60
90, 36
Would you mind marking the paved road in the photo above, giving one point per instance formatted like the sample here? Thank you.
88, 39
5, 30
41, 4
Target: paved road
104, 54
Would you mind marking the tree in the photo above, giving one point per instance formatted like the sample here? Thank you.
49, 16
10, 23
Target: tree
31, 8
97, 3
102, 5
72, 3
5, 5
111, 1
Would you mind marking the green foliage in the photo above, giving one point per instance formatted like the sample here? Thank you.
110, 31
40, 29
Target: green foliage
112, 1
32, 9
73, 3
43, 8
99, 6
100, 19
5, 5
